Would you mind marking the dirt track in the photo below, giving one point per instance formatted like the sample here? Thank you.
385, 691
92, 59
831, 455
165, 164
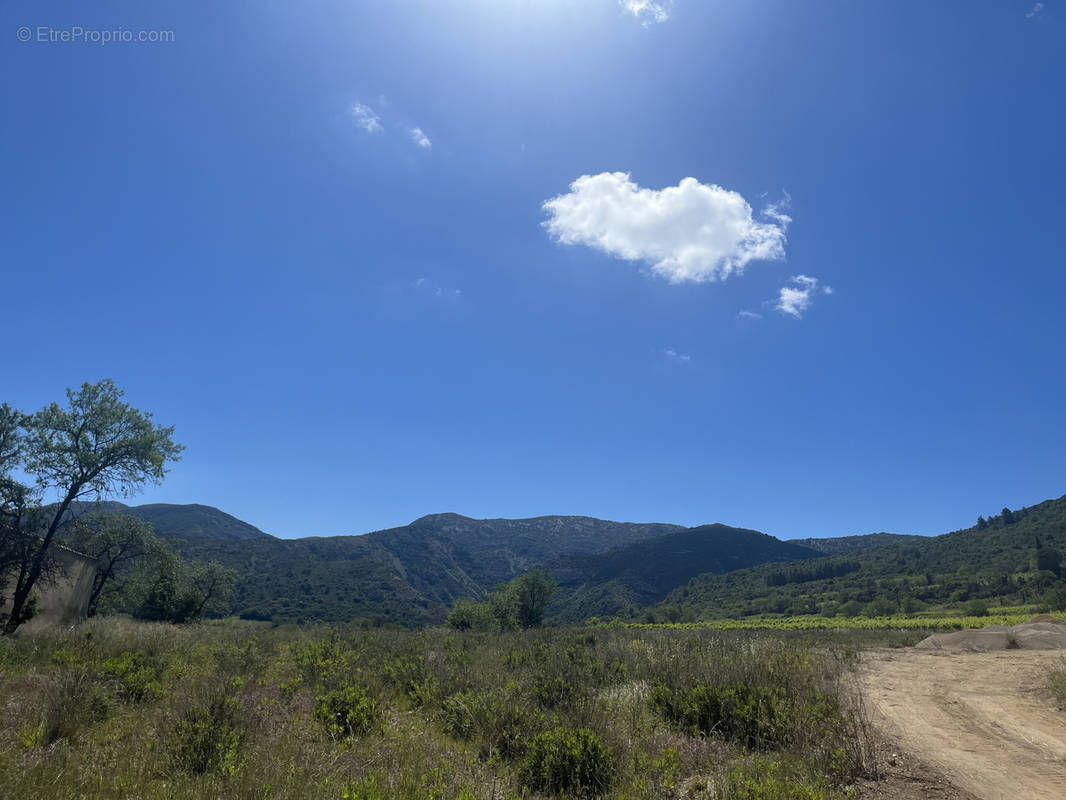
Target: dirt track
982, 720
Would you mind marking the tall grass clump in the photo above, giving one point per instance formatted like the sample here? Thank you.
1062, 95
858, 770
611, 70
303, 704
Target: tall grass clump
207, 738
565, 761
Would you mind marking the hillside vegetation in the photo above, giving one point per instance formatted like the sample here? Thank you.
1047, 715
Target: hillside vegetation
413, 574
1014, 557
645, 572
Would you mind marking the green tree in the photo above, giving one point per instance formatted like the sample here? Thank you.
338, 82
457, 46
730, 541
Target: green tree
14, 497
167, 596
96, 446
179, 592
213, 585
1048, 558
471, 615
118, 542
532, 592
517, 604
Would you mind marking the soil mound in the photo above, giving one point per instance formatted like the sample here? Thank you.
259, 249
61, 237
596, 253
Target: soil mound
1027, 636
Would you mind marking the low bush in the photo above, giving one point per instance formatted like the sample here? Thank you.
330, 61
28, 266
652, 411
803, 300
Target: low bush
137, 676
568, 761
753, 716
348, 713
1057, 684
208, 737
500, 722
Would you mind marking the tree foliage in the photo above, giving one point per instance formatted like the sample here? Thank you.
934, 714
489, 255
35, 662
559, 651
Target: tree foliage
95, 446
510, 606
174, 590
118, 543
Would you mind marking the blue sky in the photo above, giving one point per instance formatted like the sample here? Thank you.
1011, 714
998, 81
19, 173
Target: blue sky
382, 259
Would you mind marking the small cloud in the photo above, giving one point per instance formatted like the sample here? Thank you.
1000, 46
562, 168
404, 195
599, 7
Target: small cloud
676, 357
1034, 11
795, 298
420, 139
424, 286
648, 11
693, 232
749, 314
366, 119
776, 211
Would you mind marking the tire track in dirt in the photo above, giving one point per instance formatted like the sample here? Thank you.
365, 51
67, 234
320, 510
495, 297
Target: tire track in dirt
983, 720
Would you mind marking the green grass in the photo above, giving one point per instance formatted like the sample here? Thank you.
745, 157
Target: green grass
114, 709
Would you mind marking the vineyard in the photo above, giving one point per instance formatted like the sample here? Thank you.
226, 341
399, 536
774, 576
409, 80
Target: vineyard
902, 622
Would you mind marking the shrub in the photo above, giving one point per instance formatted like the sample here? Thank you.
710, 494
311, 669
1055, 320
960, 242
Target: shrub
411, 675
137, 676
553, 691
976, 608
208, 738
348, 713
751, 715
568, 761
501, 723
1057, 684
324, 662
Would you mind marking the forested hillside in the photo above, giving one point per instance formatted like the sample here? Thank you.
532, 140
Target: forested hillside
645, 572
408, 575
849, 544
1011, 557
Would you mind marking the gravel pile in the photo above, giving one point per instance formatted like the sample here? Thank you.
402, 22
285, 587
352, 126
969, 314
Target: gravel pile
1036, 635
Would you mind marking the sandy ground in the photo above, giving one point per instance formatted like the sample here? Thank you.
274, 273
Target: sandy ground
978, 725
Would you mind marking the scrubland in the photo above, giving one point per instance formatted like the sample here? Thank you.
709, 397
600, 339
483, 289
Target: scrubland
115, 708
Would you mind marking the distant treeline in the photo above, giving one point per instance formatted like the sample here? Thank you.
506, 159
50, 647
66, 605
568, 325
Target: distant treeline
812, 572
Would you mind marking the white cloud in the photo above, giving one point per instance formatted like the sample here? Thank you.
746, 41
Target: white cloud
424, 286
366, 119
1036, 9
795, 298
690, 232
648, 11
749, 314
676, 357
420, 138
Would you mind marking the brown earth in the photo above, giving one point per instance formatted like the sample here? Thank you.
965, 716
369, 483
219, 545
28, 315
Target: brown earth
961, 725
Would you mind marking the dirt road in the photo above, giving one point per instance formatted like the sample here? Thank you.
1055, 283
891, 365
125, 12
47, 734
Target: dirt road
983, 720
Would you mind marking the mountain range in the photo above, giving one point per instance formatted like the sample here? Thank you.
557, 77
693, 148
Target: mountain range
413, 573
